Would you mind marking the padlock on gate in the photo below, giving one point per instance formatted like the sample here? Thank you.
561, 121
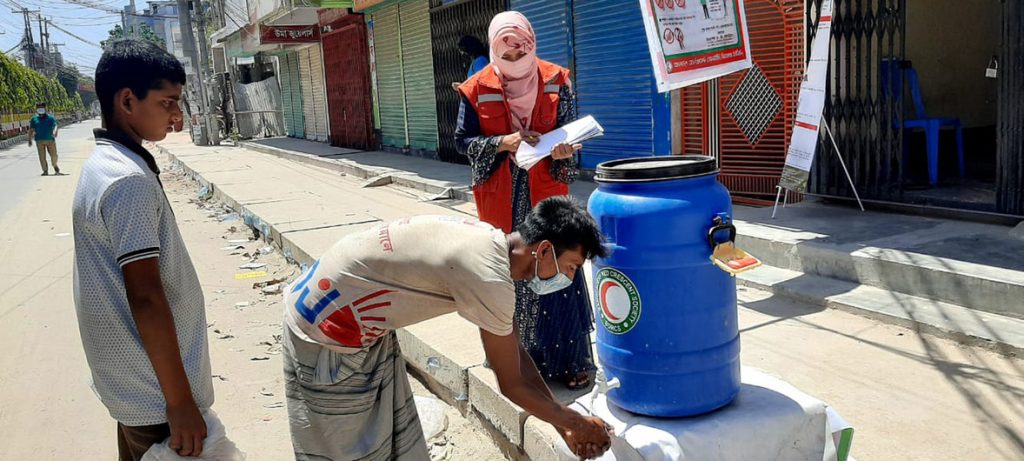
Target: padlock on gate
992, 71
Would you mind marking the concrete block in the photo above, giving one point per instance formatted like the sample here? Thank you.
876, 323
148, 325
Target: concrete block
433, 416
507, 417
443, 349
486, 399
540, 441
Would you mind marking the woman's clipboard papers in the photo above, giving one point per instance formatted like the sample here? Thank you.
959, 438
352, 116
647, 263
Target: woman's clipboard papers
576, 132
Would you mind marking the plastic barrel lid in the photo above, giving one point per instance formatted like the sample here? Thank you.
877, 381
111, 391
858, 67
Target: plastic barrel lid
656, 168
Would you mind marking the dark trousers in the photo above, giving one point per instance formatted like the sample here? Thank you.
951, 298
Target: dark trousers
134, 441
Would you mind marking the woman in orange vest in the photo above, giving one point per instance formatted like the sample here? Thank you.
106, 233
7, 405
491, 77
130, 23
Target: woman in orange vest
515, 99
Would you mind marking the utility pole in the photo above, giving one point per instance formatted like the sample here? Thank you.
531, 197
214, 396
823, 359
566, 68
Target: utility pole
207, 75
29, 45
131, 10
44, 48
57, 57
28, 22
188, 48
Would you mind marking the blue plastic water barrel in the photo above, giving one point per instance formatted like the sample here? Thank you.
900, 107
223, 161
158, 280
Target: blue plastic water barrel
668, 328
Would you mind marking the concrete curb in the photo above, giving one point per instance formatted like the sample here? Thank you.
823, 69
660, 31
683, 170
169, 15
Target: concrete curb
7, 143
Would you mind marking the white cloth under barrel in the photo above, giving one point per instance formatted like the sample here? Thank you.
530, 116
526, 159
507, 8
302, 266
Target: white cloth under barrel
769, 420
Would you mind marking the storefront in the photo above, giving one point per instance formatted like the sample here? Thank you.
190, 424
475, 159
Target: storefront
314, 93
449, 22
895, 69
405, 75
891, 74
745, 119
291, 94
604, 44
347, 72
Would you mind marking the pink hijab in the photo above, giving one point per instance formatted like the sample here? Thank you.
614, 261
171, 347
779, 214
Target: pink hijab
512, 31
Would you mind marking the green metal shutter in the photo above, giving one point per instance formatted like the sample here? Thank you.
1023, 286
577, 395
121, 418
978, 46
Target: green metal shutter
291, 94
418, 75
390, 94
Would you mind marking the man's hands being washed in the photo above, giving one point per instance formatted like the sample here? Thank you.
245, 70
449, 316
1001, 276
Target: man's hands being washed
589, 437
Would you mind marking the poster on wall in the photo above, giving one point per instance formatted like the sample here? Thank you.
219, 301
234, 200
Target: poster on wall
695, 40
804, 141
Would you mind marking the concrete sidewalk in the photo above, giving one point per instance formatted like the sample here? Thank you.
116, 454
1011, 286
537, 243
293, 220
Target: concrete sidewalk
940, 401
946, 277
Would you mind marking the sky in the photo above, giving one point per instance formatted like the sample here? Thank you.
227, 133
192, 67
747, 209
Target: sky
87, 22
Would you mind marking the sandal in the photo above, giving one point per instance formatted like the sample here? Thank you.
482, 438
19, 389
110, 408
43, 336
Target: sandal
580, 381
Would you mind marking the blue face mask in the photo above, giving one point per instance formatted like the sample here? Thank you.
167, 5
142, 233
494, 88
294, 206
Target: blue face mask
547, 286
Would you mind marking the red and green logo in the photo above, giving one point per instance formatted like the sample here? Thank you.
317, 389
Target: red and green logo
619, 300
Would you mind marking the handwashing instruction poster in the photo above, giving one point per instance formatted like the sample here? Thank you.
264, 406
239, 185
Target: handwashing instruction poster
695, 40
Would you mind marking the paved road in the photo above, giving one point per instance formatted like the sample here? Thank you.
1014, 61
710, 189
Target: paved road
19, 165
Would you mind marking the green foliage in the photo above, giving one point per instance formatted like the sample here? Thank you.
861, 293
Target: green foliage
141, 31
21, 88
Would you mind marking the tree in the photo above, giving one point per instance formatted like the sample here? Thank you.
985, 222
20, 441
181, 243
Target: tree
141, 31
69, 78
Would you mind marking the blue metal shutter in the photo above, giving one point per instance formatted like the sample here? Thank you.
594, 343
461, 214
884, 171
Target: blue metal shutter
615, 82
551, 22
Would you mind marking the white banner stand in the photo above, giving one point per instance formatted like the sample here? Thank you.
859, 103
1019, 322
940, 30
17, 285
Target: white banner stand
781, 190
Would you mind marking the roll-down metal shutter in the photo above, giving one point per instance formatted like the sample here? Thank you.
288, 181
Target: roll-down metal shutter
615, 83
418, 75
306, 81
552, 22
321, 125
347, 69
291, 94
390, 93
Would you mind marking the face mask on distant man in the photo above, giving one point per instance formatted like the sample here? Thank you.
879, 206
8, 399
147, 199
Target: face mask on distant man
40, 111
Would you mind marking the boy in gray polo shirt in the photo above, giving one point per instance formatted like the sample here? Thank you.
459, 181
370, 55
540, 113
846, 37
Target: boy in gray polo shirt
139, 303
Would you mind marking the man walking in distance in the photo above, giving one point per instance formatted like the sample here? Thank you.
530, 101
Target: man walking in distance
43, 129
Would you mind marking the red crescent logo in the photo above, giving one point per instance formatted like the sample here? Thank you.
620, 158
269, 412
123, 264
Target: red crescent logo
604, 301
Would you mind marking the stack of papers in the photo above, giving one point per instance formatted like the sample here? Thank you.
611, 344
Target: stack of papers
574, 133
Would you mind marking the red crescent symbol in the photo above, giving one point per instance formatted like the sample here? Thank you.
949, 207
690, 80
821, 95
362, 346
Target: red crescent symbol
604, 301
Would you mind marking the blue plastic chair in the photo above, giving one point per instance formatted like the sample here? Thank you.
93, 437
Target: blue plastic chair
893, 72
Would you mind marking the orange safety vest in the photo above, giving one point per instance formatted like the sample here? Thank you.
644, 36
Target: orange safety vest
484, 91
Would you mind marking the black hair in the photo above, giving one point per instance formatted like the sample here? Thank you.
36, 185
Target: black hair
135, 64
564, 222
472, 46
40, 104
